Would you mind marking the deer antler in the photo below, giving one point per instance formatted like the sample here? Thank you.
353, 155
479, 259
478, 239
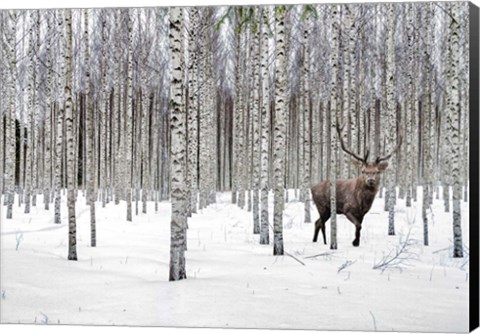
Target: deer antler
386, 157
344, 148
366, 155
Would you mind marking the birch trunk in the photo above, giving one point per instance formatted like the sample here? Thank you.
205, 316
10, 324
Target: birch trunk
129, 119
279, 129
30, 116
178, 137
48, 119
119, 114
453, 120
90, 138
333, 114
306, 112
391, 115
71, 176
265, 133
59, 114
410, 110
256, 132
193, 110
36, 110
426, 111
10, 116
104, 106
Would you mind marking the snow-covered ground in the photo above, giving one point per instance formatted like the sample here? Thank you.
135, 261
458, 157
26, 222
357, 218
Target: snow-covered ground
232, 280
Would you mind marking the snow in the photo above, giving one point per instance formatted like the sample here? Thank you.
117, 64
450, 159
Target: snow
232, 280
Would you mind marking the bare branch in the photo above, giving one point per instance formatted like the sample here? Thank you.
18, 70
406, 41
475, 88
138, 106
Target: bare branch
399, 257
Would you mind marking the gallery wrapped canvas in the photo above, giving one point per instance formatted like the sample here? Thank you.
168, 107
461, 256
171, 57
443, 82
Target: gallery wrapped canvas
305, 166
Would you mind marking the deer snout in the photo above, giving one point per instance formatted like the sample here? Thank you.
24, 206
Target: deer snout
371, 182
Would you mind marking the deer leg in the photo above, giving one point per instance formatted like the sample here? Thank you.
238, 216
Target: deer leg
320, 225
356, 241
317, 229
358, 228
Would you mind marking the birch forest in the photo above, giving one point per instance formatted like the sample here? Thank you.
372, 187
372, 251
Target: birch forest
123, 109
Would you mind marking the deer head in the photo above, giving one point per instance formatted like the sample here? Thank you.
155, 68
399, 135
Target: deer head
370, 171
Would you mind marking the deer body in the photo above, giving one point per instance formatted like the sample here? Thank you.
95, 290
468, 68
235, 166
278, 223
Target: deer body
354, 197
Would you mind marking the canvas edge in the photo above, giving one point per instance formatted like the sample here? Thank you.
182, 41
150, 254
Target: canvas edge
474, 166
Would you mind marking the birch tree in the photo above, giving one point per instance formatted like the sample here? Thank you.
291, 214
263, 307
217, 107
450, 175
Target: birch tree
265, 124
426, 112
307, 122
256, 130
279, 129
193, 109
30, 116
333, 125
48, 138
453, 117
391, 115
129, 115
10, 116
59, 112
36, 110
90, 113
72, 226
410, 105
177, 161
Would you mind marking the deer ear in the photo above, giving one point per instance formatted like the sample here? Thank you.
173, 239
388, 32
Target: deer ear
382, 166
357, 163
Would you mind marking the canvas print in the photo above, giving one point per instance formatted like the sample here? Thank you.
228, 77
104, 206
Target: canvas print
276, 166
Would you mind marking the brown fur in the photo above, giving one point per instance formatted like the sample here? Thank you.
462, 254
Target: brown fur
354, 198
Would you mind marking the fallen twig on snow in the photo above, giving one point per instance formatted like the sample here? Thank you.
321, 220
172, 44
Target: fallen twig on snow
318, 255
400, 256
441, 250
374, 321
287, 253
293, 257
346, 264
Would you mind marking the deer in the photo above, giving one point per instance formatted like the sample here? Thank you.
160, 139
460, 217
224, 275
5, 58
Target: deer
354, 197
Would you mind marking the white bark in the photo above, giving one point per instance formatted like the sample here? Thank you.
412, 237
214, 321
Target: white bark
265, 133
306, 112
453, 116
178, 149
193, 110
279, 128
48, 119
59, 117
71, 176
333, 123
90, 138
426, 112
10, 116
256, 132
391, 116
129, 117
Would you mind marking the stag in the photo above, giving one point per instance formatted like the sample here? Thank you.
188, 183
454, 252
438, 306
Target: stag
354, 196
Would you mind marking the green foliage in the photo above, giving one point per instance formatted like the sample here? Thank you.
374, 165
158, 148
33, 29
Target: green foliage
247, 18
309, 11
280, 10
245, 15
225, 17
